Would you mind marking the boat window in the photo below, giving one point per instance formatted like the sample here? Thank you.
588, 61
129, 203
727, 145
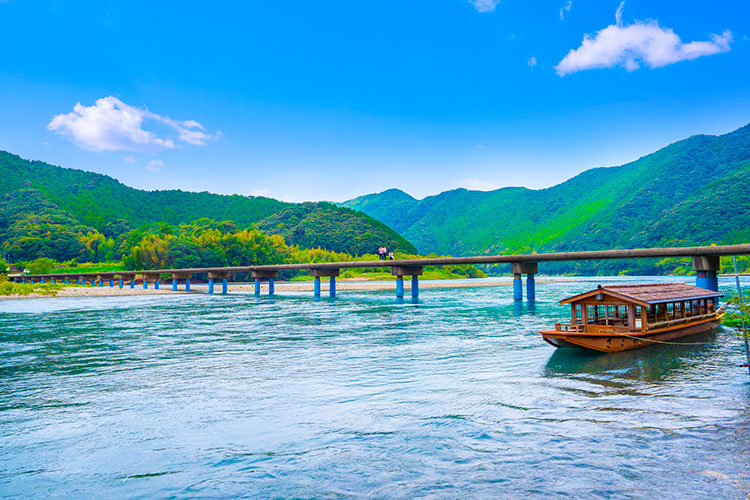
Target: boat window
688, 308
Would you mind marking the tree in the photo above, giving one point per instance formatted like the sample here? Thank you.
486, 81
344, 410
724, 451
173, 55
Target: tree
3, 267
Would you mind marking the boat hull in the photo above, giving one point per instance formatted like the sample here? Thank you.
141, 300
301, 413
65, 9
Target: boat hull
616, 342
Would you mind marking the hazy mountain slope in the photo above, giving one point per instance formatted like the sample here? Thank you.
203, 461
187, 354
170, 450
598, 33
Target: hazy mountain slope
623, 206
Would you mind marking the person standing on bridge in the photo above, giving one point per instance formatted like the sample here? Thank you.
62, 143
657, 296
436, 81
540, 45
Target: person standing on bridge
381, 252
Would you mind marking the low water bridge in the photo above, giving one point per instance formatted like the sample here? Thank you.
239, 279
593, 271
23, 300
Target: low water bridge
705, 263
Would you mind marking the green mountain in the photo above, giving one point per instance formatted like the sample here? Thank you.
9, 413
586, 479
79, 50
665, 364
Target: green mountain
324, 225
696, 191
62, 213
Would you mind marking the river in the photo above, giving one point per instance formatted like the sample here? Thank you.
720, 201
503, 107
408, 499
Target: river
453, 396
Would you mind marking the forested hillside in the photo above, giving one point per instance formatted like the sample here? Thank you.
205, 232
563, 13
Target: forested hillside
324, 225
61, 213
693, 192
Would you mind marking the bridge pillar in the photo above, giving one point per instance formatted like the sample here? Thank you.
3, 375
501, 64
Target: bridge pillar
156, 283
706, 267
132, 282
270, 276
145, 282
121, 282
325, 272
214, 275
181, 276
400, 271
529, 269
517, 288
111, 282
41, 281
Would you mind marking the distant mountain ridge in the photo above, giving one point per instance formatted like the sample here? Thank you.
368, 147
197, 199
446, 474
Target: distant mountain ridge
695, 191
37, 198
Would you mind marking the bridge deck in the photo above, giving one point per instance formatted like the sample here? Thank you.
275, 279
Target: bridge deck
725, 250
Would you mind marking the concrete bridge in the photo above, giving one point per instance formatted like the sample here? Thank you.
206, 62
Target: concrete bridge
705, 263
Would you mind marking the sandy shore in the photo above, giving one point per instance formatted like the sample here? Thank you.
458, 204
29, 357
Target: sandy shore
342, 285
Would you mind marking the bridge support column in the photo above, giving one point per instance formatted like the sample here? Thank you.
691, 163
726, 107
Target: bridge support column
707, 266
112, 283
517, 287
181, 276
529, 269
156, 283
54, 281
400, 271
530, 287
217, 275
132, 282
270, 276
101, 282
145, 282
325, 272
121, 282
41, 281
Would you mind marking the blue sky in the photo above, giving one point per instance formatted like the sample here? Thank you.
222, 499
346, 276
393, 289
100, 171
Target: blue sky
331, 100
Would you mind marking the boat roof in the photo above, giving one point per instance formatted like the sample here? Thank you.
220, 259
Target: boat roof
649, 293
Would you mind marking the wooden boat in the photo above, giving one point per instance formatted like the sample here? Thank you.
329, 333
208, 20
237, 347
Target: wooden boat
620, 317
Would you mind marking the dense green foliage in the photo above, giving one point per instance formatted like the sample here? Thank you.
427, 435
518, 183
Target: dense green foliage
54, 212
98, 200
207, 243
693, 192
738, 316
311, 225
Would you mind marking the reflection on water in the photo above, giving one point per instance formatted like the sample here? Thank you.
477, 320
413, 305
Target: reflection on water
454, 395
649, 364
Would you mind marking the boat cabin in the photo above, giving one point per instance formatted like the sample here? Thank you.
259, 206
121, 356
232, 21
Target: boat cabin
639, 308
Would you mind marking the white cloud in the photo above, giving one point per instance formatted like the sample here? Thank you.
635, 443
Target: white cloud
532, 62
641, 43
618, 14
565, 8
112, 125
128, 159
476, 184
484, 5
260, 192
155, 165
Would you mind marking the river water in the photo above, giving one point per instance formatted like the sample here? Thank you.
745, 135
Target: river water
455, 396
